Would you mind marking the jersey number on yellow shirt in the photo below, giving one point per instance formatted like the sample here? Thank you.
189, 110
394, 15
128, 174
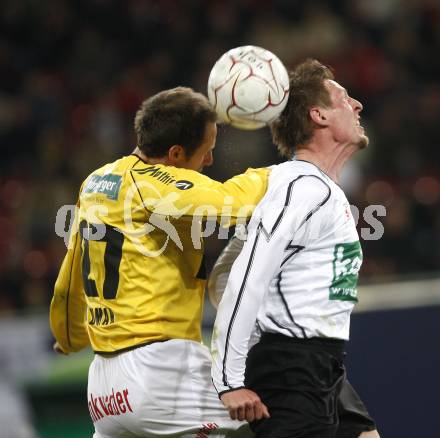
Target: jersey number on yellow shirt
98, 234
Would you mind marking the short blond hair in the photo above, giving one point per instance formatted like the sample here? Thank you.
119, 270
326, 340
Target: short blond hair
294, 126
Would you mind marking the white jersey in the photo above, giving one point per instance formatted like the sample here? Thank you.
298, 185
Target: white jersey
296, 274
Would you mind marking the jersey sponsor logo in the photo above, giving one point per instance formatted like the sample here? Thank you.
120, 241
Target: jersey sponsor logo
346, 264
154, 171
115, 403
183, 184
206, 429
108, 185
101, 316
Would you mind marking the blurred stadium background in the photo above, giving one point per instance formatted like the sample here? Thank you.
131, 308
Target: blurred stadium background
72, 74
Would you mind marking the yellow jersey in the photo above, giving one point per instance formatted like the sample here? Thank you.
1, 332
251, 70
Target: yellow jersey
133, 272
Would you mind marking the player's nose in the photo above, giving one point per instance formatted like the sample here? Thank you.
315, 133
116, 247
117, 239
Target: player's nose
357, 106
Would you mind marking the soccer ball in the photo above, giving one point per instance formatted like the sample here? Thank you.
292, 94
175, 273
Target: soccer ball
248, 87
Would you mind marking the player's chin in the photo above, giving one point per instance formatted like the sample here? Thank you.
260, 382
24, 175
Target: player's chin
363, 142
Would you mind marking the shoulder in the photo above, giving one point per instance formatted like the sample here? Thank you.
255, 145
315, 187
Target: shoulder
291, 181
311, 187
169, 177
118, 167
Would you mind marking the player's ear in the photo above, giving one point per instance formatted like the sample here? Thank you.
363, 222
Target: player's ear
176, 155
319, 116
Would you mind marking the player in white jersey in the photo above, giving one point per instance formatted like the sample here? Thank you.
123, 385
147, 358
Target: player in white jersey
293, 284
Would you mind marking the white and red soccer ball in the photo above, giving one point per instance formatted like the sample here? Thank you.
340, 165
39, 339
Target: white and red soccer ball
248, 87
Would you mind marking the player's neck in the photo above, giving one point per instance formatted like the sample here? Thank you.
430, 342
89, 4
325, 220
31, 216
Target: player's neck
149, 160
331, 162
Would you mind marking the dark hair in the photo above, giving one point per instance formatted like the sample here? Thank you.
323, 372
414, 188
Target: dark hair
294, 126
177, 116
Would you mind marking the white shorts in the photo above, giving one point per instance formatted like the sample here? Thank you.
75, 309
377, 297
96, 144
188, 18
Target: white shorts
160, 390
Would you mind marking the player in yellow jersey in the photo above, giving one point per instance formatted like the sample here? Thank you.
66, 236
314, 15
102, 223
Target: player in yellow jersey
132, 282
